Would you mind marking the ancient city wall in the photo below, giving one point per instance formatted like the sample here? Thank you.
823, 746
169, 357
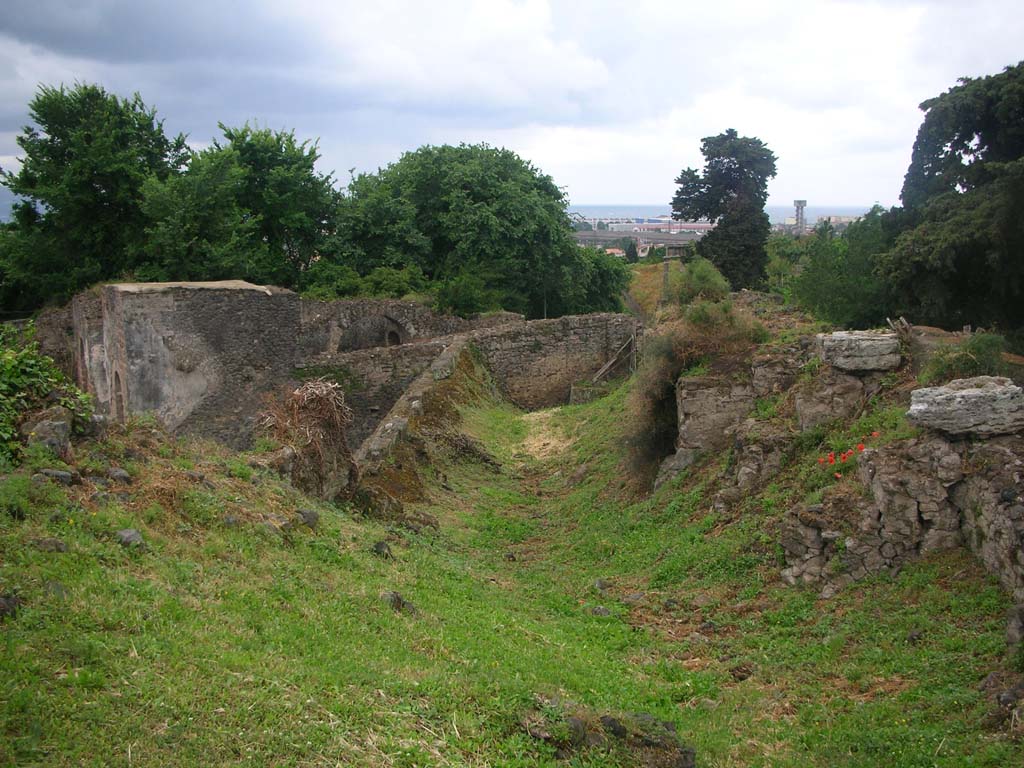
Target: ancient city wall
373, 379
200, 357
203, 356
536, 363
351, 324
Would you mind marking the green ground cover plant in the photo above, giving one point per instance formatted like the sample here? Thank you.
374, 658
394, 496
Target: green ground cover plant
223, 641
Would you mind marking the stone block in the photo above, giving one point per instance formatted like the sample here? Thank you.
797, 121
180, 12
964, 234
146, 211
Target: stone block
982, 406
860, 351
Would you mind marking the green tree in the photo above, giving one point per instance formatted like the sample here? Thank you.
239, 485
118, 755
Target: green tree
837, 279
486, 228
731, 191
86, 160
968, 132
292, 205
196, 228
956, 258
632, 256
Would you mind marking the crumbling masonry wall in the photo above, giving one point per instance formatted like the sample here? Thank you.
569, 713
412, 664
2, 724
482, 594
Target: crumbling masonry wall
203, 356
536, 363
373, 379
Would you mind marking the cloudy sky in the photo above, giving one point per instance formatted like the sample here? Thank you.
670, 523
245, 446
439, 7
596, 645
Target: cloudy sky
610, 98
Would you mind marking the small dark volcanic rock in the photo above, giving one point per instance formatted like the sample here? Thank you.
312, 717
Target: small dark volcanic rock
914, 636
119, 475
398, 603
198, 477
685, 757
383, 549
58, 476
634, 598
129, 537
310, 518
670, 605
707, 627
741, 672
510, 557
614, 727
50, 544
9, 605
577, 731
230, 521
601, 584
600, 610
1009, 495
1007, 699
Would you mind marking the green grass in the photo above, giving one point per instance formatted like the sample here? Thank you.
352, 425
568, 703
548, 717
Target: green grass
220, 645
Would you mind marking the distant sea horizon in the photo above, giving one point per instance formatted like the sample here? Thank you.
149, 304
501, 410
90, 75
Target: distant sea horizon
776, 213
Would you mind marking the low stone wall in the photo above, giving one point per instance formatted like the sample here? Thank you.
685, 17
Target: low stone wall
394, 425
374, 379
537, 363
926, 495
350, 324
55, 332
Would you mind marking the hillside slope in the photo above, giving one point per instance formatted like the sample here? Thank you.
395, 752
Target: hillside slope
552, 615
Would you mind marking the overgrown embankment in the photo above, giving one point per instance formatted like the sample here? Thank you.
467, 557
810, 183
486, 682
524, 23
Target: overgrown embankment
555, 616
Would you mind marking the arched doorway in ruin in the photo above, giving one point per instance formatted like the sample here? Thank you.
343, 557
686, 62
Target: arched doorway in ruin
394, 332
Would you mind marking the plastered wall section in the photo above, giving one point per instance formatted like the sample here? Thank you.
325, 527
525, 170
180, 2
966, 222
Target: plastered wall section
200, 359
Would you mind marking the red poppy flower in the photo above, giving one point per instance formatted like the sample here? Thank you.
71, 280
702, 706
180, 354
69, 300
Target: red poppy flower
838, 475
843, 457
874, 434
831, 458
821, 459
860, 446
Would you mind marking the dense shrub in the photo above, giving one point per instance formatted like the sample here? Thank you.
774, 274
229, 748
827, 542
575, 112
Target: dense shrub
979, 355
327, 280
834, 276
467, 294
700, 279
27, 379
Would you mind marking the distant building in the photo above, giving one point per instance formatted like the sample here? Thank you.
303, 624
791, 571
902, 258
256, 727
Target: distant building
800, 225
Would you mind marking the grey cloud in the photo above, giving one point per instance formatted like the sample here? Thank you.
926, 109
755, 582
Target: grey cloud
133, 31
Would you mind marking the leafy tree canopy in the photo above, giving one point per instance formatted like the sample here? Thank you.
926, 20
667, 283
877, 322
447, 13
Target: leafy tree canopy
731, 191
108, 196
956, 258
85, 162
967, 131
483, 224
291, 203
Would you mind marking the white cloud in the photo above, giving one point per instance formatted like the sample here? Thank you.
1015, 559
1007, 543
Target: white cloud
610, 98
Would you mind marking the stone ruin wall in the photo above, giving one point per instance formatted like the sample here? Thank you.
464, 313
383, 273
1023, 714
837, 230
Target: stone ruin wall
202, 356
373, 379
960, 483
200, 359
537, 363
343, 326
